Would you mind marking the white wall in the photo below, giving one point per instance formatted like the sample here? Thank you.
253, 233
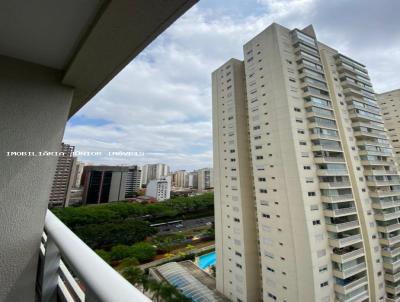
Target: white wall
33, 113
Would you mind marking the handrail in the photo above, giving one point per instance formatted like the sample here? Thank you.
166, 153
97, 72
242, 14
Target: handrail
101, 281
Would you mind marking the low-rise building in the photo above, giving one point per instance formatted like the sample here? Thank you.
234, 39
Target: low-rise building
104, 184
160, 189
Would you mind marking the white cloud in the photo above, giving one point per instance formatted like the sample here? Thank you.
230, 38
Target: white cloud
161, 102
279, 9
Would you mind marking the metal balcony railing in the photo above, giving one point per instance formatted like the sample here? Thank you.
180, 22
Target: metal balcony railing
83, 277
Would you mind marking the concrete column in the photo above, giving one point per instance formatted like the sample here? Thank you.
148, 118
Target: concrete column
34, 108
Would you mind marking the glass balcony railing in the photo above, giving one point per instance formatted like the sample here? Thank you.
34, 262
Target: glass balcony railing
351, 271
352, 285
346, 254
343, 242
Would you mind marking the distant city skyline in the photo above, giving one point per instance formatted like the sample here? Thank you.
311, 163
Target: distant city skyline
160, 104
135, 163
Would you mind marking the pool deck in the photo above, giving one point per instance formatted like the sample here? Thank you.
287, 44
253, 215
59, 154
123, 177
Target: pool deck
161, 261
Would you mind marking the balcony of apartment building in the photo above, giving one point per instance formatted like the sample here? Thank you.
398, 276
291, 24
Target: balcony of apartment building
385, 202
54, 57
304, 64
307, 52
360, 294
314, 111
347, 69
317, 122
301, 37
363, 104
392, 298
392, 276
353, 283
369, 150
349, 253
326, 157
375, 160
387, 214
339, 209
383, 180
351, 65
333, 197
311, 79
362, 132
391, 263
388, 226
391, 251
384, 191
378, 142
309, 92
343, 223
349, 268
380, 170
354, 83
316, 102
351, 73
393, 288
344, 238
369, 127
334, 182
315, 75
359, 115
318, 133
325, 145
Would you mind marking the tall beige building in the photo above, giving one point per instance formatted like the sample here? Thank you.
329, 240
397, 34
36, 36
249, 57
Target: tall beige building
179, 179
63, 179
306, 192
205, 179
390, 107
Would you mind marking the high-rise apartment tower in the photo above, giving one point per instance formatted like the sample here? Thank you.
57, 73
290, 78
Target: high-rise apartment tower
154, 171
63, 177
390, 106
306, 193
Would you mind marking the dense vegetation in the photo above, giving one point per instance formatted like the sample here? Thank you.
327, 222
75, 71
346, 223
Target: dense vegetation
122, 223
119, 232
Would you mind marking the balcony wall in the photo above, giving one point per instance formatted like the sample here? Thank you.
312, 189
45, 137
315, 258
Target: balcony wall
34, 110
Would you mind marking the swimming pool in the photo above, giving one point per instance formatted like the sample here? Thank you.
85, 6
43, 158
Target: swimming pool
205, 261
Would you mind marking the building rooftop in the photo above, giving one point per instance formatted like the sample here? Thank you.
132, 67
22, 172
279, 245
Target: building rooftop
193, 282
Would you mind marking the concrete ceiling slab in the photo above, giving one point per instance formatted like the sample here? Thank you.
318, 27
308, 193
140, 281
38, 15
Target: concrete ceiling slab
44, 32
89, 41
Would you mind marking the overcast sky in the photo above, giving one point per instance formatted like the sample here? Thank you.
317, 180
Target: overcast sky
160, 104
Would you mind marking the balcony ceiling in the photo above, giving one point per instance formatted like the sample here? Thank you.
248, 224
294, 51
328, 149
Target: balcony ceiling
45, 32
90, 41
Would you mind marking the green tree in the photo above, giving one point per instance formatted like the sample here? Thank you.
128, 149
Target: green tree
109, 234
155, 288
119, 252
143, 251
133, 274
127, 262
